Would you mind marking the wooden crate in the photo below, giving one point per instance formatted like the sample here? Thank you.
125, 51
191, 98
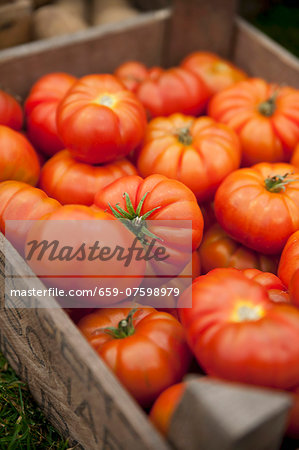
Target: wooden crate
15, 17
75, 389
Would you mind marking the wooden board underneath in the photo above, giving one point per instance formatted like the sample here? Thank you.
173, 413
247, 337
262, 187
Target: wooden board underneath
72, 385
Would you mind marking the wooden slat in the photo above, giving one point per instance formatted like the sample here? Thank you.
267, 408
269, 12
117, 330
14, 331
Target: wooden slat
199, 25
99, 49
74, 388
261, 56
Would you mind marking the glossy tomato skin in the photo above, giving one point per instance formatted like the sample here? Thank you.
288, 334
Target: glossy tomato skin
87, 226
198, 152
237, 333
99, 120
20, 201
243, 203
217, 73
218, 249
269, 136
289, 260
73, 182
175, 90
132, 73
11, 114
153, 358
18, 159
172, 198
277, 291
40, 108
162, 410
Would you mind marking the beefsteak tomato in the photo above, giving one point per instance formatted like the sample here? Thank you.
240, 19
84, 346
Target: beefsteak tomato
289, 260
146, 349
259, 206
40, 108
73, 182
198, 152
265, 116
11, 113
132, 73
99, 120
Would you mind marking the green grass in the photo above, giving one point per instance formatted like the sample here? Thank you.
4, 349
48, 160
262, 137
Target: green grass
22, 424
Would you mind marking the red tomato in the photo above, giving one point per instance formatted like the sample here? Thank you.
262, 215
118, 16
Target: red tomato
265, 116
69, 181
198, 152
11, 114
40, 109
295, 157
73, 226
238, 334
162, 410
259, 206
218, 249
132, 73
294, 288
217, 73
146, 349
19, 201
168, 200
174, 90
289, 260
18, 159
99, 120
277, 291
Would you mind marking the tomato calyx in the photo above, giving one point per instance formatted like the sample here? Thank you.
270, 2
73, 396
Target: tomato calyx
133, 219
184, 136
247, 312
106, 100
278, 183
268, 107
125, 327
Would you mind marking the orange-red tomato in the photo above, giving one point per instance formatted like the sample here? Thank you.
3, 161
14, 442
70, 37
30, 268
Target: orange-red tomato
237, 333
259, 206
277, 291
18, 159
218, 249
132, 73
70, 181
217, 73
174, 90
99, 120
162, 410
265, 116
146, 349
40, 109
289, 260
11, 114
294, 288
20, 201
295, 156
198, 152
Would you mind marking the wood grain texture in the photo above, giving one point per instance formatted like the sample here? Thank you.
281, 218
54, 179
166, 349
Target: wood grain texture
98, 49
199, 25
260, 56
228, 416
74, 388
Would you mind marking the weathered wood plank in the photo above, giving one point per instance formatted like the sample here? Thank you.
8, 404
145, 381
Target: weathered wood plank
199, 25
99, 49
75, 389
261, 56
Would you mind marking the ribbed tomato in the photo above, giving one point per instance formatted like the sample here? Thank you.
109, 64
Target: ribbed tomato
277, 291
18, 159
175, 90
218, 249
259, 206
146, 349
40, 108
198, 152
99, 120
11, 114
20, 201
70, 181
289, 260
217, 73
132, 73
265, 116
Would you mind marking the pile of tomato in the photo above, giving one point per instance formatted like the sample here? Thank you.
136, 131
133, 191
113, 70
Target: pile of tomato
202, 142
